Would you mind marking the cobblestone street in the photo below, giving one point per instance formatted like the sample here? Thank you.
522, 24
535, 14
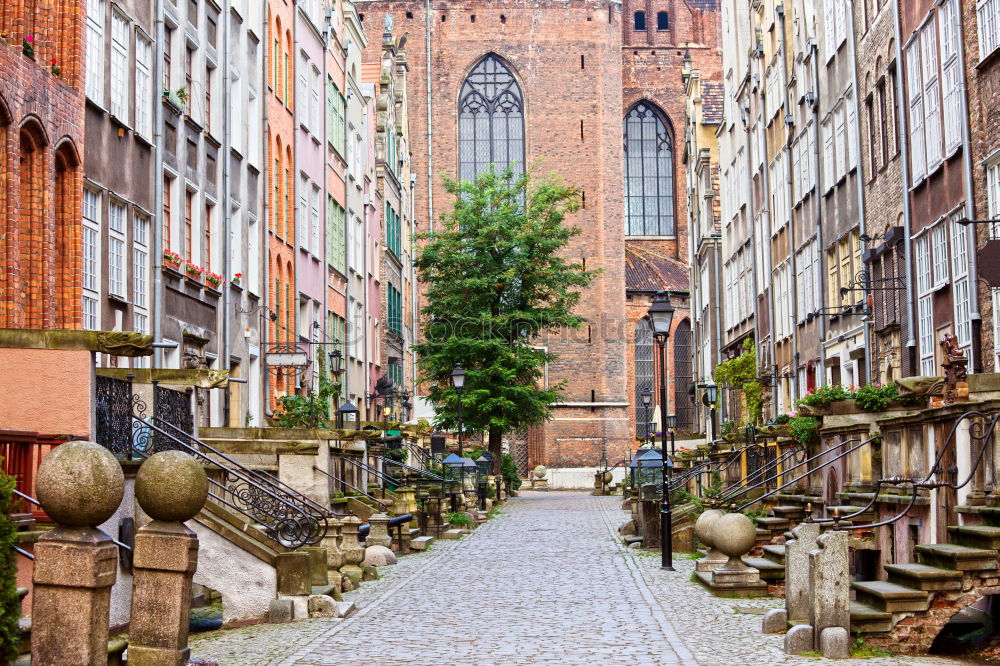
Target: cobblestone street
545, 582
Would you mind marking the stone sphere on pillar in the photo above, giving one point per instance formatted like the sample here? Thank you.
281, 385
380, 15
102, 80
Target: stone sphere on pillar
734, 534
171, 486
80, 484
703, 526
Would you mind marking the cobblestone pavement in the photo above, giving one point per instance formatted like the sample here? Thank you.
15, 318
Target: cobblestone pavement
545, 582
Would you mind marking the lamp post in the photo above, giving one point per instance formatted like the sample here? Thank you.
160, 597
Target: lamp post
458, 381
485, 465
670, 425
647, 398
346, 409
661, 314
712, 395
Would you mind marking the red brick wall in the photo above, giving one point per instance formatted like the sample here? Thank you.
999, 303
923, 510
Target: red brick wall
41, 181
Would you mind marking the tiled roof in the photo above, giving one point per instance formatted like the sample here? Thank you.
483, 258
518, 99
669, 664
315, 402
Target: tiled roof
646, 270
705, 5
711, 102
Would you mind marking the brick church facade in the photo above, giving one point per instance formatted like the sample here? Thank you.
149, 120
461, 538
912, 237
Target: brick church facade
592, 90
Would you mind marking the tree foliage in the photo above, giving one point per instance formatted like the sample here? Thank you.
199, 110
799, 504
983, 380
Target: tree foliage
496, 279
741, 373
10, 602
311, 410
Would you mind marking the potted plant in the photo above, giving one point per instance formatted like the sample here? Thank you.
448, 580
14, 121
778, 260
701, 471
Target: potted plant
193, 271
56, 69
172, 260
237, 277
28, 46
213, 279
4, 37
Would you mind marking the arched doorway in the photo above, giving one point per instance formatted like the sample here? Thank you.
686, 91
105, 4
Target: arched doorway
682, 376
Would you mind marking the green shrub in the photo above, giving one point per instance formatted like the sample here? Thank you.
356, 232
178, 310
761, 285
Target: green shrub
824, 395
729, 427
803, 429
456, 519
875, 397
508, 470
10, 603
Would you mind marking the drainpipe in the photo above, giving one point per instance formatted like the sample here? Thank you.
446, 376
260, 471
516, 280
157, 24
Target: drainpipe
817, 201
787, 150
227, 220
904, 146
158, 241
428, 23
325, 262
264, 330
413, 292
860, 190
970, 235
717, 297
348, 236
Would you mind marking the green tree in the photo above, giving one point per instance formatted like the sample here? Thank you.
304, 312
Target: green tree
10, 602
311, 410
496, 279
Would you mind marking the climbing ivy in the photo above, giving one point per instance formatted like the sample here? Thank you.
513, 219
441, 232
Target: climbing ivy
741, 373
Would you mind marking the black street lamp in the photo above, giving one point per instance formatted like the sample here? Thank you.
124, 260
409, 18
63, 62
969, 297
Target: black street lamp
346, 409
336, 362
458, 381
453, 464
712, 396
647, 399
661, 314
671, 424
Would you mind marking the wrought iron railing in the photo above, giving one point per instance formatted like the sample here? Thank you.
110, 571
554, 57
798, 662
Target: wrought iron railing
388, 463
347, 484
420, 455
370, 471
284, 514
765, 476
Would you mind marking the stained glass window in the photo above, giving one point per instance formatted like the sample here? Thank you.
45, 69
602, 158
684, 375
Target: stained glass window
490, 120
649, 173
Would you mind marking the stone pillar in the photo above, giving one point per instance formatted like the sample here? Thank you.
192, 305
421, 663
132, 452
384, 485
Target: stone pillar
171, 487
80, 485
319, 577
796, 610
406, 500
294, 575
378, 532
354, 554
830, 595
734, 535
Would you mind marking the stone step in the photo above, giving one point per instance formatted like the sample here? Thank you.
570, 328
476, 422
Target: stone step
421, 542
890, 597
924, 577
960, 558
789, 536
414, 532
452, 534
768, 570
773, 523
868, 620
775, 553
849, 509
792, 511
345, 608
976, 536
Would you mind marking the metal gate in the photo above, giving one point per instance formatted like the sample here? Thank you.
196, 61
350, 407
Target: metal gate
173, 407
516, 443
757, 458
114, 406
682, 376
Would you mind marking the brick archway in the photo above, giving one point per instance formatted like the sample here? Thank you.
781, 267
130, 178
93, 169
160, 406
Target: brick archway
64, 286
32, 240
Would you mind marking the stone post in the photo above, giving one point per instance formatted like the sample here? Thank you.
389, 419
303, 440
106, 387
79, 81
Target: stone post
378, 531
703, 530
319, 576
830, 595
406, 500
171, 487
354, 554
80, 485
334, 555
734, 535
796, 610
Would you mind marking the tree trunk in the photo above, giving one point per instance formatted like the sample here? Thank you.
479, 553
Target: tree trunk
496, 437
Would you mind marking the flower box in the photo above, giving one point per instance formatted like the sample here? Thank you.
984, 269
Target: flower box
172, 260
213, 280
193, 271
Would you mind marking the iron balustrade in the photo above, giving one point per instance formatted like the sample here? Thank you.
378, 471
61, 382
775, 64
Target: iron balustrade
368, 470
742, 486
360, 492
285, 515
423, 458
812, 470
977, 432
426, 473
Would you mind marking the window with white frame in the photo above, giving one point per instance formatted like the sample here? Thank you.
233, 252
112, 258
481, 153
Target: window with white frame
782, 302
988, 21
140, 260
932, 94
119, 66
116, 249
829, 174
302, 212
91, 260
939, 255
95, 51
924, 85
143, 86
315, 101
962, 294
835, 28
807, 278
925, 316
840, 149
852, 132
779, 195
314, 223
951, 74
914, 82
253, 255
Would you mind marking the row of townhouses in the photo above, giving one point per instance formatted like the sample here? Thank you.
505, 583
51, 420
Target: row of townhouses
240, 183
838, 200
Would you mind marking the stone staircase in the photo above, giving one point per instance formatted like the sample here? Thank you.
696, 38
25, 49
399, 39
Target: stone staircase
910, 608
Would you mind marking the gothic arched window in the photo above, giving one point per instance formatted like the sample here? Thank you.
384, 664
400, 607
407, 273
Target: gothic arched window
649, 173
643, 375
490, 120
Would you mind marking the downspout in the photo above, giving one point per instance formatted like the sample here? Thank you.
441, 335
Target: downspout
158, 241
717, 243
325, 243
413, 290
227, 221
265, 244
348, 234
789, 127
817, 201
859, 187
428, 23
970, 235
904, 146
